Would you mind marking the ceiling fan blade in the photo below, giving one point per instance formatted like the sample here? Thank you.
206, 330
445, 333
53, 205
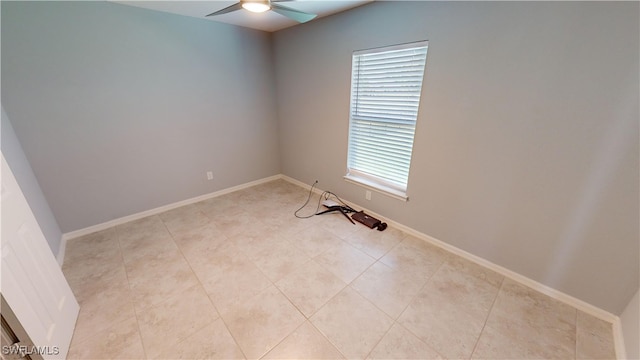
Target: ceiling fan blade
296, 15
228, 9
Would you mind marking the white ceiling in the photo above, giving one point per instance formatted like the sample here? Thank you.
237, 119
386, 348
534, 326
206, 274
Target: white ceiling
267, 21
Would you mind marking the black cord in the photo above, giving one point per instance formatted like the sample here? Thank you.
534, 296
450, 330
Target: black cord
305, 204
326, 195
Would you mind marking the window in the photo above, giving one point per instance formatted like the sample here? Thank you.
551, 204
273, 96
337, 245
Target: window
385, 96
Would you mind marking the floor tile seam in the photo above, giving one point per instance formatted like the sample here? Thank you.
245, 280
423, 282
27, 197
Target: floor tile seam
606, 339
328, 301
484, 325
135, 310
193, 272
343, 237
318, 309
464, 310
323, 251
429, 278
294, 330
224, 322
283, 339
354, 279
409, 304
394, 245
197, 227
393, 322
117, 324
381, 256
228, 234
335, 346
326, 338
199, 206
358, 250
371, 303
211, 217
245, 299
201, 285
399, 243
424, 342
417, 292
260, 270
251, 298
405, 272
419, 338
307, 262
491, 309
184, 336
285, 243
541, 309
179, 342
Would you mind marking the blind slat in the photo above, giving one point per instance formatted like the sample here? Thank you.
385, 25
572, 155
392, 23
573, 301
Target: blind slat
385, 98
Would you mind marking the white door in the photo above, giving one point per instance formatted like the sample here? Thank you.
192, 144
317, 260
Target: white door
32, 282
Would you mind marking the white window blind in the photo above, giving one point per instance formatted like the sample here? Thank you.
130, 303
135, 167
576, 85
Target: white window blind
385, 95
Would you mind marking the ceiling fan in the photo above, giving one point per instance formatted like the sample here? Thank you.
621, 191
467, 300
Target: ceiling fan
259, 6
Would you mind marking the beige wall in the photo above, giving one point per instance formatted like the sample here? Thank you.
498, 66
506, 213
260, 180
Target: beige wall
121, 109
526, 149
630, 322
21, 169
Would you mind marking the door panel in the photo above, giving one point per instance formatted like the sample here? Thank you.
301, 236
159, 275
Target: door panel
32, 282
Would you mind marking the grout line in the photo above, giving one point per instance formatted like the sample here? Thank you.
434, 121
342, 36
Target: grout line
521, 279
421, 287
272, 283
201, 284
393, 322
284, 338
164, 208
475, 346
413, 299
227, 327
288, 240
126, 274
294, 330
328, 340
287, 297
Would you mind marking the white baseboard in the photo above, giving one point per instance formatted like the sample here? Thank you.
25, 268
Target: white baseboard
158, 210
558, 295
618, 339
61, 250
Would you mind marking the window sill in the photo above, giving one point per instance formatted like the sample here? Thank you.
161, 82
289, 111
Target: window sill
369, 184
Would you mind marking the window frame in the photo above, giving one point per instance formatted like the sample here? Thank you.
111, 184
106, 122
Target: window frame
368, 180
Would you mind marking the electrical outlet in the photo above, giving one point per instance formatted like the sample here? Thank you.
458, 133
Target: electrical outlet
209, 175
367, 195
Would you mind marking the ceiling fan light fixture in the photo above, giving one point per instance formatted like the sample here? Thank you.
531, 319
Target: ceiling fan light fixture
264, 5
256, 6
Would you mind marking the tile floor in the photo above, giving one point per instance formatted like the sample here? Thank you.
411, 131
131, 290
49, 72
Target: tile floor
238, 276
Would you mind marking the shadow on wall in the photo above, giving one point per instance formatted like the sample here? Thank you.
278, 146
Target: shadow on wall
17, 161
618, 142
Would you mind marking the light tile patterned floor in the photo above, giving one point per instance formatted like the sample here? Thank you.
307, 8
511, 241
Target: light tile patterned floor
238, 276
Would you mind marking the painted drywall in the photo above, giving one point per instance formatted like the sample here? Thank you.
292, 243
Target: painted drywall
121, 109
630, 321
526, 148
17, 161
